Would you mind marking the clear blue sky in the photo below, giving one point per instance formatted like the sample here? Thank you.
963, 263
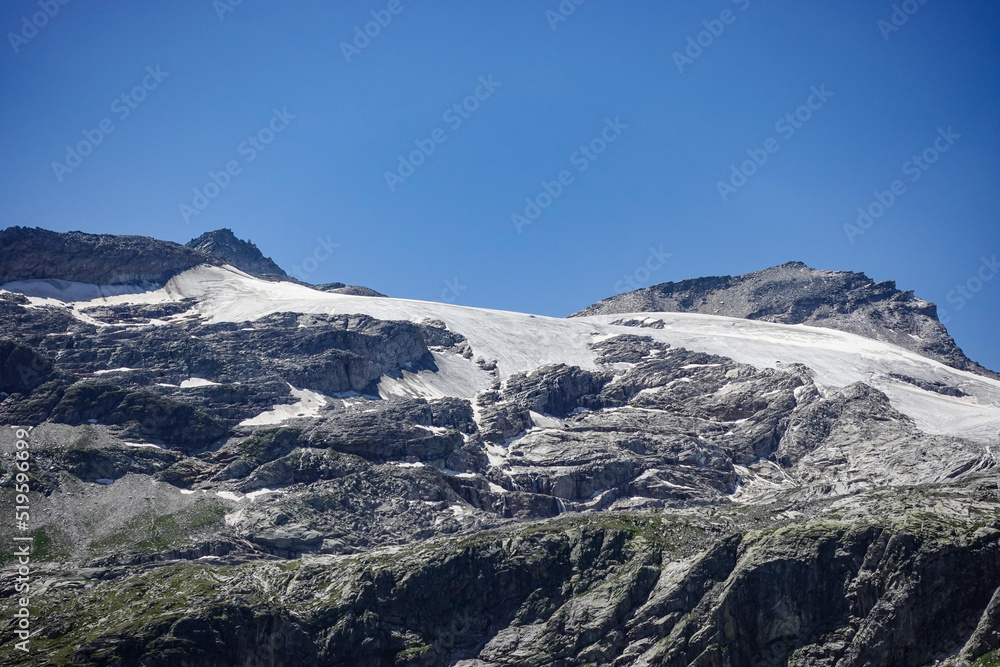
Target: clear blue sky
323, 175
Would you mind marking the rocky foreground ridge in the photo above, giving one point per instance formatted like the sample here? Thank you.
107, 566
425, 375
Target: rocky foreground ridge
315, 478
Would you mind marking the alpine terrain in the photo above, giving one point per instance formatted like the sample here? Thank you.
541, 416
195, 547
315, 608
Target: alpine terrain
226, 466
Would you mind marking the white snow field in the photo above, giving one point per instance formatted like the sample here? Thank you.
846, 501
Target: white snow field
521, 342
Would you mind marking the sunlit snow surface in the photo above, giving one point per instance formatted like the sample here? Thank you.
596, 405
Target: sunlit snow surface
192, 383
520, 342
307, 404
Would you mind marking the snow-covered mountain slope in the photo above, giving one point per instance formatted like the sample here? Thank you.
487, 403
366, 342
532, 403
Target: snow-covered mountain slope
521, 343
345, 477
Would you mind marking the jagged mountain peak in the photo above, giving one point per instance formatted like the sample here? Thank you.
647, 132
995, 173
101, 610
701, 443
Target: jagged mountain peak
794, 293
244, 255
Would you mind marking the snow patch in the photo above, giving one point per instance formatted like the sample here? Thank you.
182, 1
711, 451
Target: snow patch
143, 444
438, 430
456, 376
799, 392
460, 510
544, 421
462, 475
252, 496
191, 383
496, 454
308, 404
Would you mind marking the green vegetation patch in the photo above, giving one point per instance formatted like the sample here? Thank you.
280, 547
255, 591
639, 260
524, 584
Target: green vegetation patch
149, 534
991, 659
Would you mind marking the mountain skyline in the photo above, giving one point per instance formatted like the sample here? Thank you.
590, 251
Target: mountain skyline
901, 127
791, 292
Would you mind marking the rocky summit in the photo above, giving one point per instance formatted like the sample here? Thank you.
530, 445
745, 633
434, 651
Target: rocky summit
793, 293
226, 466
244, 255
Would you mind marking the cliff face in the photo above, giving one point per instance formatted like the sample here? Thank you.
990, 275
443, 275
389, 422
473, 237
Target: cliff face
793, 293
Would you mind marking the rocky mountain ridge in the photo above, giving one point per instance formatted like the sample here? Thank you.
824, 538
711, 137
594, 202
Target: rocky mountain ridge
129, 262
99, 259
286, 475
793, 293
